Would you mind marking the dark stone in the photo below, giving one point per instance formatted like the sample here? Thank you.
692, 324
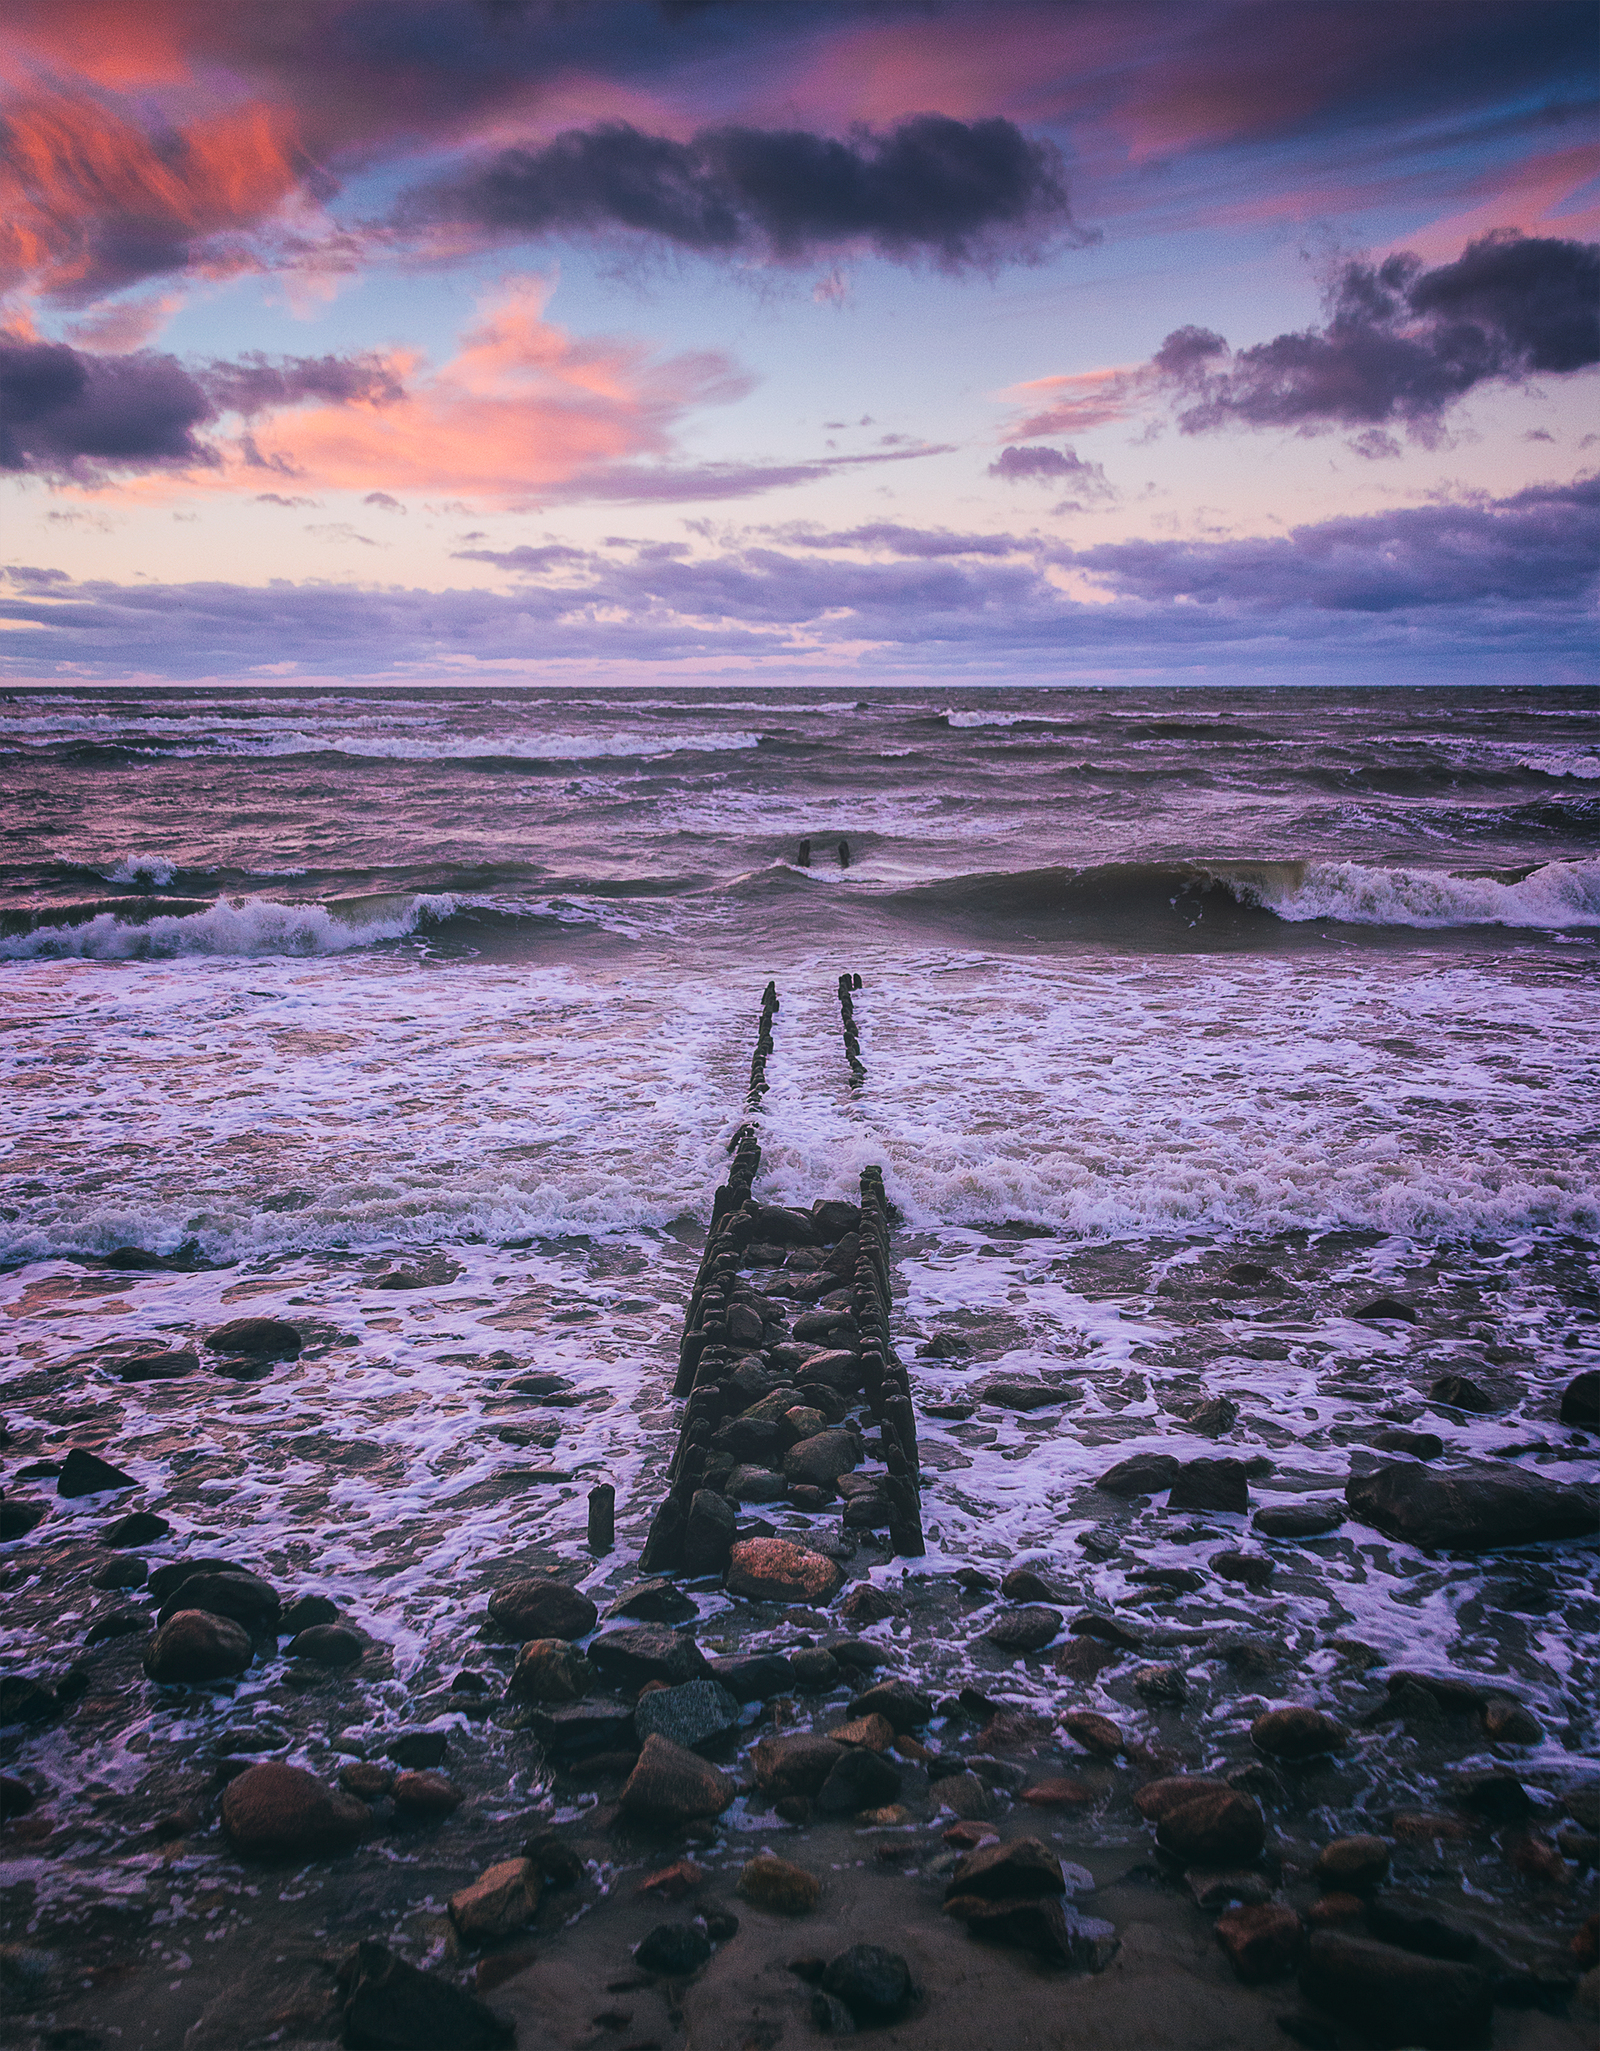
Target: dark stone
122, 1570
261, 1338
1461, 1392
674, 1950
1161, 1684
329, 1645
1500, 1797
655, 1601
392, 2006
24, 1699
417, 1750
873, 1984
1298, 1732
1580, 1401
833, 1218
541, 1609
1402, 1919
1219, 1828
157, 1367
1024, 1584
120, 1623
1041, 1924
140, 1526
708, 1536
86, 1474
819, 1460
1394, 1996
1008, 1872
1253, 1569
1417, 1445
580, 1730
1111, 1630
1386, 1309
1009, 1394
866, 1604
797, 1764
868, 1513
1298, 1520
1210, 1485
169, 1579
831, 2016
859, 1780
555, 1858
1145, 1473
1473, 1508
754, 1677
905, 1708
243, 1596
1454, 1696
367, 1780
813, 1668
690, 1714
1024, 1630
16, 1797
646, 1652
305, 1611
753, 1441
196, 1645
20, 1514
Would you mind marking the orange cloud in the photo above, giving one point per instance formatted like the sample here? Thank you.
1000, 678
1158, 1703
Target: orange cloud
90, 201
523, 409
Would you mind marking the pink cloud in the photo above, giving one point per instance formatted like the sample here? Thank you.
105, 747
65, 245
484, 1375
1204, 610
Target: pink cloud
523, 408
1075, 402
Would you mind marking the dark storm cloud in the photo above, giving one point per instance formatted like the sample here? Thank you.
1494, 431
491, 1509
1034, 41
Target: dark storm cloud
61, 410
961, 193
1400, 343
1430, 590
65, 412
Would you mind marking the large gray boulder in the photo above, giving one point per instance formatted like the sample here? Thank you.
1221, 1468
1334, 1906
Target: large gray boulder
1471, 1509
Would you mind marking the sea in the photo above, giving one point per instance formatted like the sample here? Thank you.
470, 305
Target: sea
305, 988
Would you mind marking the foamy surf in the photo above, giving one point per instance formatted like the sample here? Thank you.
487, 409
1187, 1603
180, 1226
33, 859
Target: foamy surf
243, 927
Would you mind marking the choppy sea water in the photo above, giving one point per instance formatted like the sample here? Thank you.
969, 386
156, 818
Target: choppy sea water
301, 988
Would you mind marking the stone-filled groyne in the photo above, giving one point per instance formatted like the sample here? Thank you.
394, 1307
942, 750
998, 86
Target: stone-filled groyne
787, 1366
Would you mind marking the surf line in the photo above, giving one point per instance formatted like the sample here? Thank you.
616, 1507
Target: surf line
794, 1392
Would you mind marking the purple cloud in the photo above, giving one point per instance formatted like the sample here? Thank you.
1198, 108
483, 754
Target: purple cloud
1401, 343
1488, 587
1015, 463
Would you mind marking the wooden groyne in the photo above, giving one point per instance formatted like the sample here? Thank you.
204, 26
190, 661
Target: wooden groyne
793, 1393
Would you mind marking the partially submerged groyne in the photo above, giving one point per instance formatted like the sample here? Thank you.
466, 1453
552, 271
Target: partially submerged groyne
794, 1395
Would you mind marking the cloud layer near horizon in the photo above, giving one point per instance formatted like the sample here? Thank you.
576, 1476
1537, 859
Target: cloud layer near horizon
1421, 590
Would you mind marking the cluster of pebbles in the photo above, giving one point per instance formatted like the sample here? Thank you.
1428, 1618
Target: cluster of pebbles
643, 1741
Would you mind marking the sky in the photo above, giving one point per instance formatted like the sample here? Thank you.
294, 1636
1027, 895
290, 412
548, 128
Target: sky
884, 341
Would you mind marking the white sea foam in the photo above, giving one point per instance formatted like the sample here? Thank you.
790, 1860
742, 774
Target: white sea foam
1560, 896
141, 869
248, 926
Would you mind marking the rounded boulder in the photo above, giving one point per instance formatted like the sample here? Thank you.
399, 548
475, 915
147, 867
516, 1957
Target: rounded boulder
274, 1811
195, 1645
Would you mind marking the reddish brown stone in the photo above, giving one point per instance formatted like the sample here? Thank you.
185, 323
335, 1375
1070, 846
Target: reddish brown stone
967, 1837
1298, 1732
1094, 1732
1154, 1801
1058, 1794
671, 1785
1331, 1911
682, 1877
1261, 1943
774, 1570
426, 1795
1224, 1829
274, 1811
